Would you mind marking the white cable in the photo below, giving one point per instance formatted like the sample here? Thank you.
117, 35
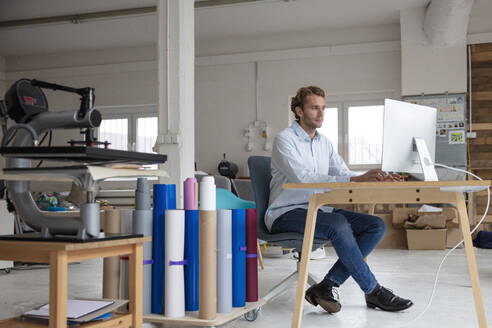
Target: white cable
452, 249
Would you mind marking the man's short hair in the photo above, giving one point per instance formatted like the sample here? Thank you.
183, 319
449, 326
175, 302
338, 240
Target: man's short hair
300, 98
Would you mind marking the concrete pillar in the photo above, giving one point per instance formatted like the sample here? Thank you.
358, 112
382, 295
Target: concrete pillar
176, 84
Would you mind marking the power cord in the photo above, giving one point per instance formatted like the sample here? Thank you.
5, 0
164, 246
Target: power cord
456, 246
8, 136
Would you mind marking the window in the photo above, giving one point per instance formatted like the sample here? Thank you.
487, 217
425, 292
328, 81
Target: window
365, 134
116, 132
129, 127
356, 132
330, 126
146, 133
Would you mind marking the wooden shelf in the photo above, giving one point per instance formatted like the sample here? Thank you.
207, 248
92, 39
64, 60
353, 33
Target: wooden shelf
117, 320
191, 318
58, 255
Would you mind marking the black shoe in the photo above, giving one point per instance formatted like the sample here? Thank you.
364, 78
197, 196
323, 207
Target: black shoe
324, 294
384, 299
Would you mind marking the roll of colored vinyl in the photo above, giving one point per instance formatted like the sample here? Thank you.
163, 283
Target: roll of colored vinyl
126, 227
251, 256
224, 261
191, 256
238, 258
190, 195
111, 265
164, 198
142, 224
174, 294
208, 265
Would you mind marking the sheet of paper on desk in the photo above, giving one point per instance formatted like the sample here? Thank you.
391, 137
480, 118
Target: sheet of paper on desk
101, 172
75, 308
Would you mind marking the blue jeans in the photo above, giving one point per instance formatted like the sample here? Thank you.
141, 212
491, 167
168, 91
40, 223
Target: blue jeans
353, 235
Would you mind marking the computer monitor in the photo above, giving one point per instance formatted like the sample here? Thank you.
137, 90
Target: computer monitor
409, 138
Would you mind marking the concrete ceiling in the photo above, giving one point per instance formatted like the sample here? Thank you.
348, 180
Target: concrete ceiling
249, 19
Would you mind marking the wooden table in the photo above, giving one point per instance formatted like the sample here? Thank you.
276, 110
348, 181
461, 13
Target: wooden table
420, 192
59, 254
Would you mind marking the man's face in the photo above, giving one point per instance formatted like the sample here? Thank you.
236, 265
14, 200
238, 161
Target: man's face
311, 116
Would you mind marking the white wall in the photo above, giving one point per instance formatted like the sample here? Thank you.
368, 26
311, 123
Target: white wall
225, 98
298, 39
426, 69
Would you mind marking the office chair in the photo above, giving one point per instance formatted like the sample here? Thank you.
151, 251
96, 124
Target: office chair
260, 171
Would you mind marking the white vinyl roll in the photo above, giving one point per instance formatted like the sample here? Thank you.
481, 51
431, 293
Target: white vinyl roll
207, 194
174, 291
224, 261
126, 227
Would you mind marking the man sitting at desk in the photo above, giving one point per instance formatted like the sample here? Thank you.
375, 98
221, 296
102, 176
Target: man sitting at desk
300, 154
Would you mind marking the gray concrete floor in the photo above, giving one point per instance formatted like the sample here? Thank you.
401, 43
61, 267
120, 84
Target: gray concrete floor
409, 273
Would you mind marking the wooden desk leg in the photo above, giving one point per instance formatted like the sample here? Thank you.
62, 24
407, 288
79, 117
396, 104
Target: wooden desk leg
260, 257
58, 289
307, 246
136, 285
472, 263
372, 209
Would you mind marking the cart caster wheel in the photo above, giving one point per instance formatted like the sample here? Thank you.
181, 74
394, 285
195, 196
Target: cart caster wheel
7, 270
252, 315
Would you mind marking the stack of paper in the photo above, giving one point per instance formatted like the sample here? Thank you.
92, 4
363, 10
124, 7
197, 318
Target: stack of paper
79, 311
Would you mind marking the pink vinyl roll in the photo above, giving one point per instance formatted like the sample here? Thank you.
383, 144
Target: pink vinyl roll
251, 256
190, 194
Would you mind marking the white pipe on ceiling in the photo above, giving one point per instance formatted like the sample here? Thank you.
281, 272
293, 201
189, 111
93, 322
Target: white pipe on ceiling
446, 22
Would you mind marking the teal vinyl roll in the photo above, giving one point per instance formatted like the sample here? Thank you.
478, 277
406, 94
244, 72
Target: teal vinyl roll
224, 261
238, 257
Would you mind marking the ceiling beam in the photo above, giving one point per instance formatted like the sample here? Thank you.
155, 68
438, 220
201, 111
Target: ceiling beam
80, 18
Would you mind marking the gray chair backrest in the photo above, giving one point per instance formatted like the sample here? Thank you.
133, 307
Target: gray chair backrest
260, 171
220, 181
243, 188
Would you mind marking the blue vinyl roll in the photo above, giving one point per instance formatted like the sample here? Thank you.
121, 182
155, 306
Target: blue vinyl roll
164, 199
238, 257
191, 255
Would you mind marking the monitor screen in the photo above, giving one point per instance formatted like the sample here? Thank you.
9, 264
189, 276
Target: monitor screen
402, 123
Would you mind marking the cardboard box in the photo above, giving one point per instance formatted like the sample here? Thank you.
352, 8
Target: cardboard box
401, 214
453, 235
426, 238
394, 238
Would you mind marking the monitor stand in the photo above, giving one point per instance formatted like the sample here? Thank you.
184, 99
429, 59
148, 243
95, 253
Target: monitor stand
425, 160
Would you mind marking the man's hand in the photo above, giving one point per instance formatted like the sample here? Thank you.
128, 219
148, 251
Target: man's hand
376, 175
